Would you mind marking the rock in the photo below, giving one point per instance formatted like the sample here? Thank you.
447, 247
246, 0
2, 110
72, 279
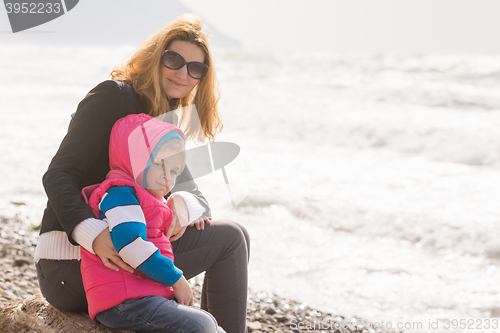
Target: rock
254, 326
7, 294
35, 315
271, 310
20, 261
23, 284
282, 319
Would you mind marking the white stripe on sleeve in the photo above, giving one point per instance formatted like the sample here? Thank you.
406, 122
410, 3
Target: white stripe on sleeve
123, 214
137, 252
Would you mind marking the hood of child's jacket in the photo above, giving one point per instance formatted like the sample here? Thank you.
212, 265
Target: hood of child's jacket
134, 140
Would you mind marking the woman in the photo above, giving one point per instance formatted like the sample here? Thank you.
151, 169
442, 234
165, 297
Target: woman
164, 74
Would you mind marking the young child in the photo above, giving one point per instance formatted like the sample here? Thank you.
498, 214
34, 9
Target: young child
146, 154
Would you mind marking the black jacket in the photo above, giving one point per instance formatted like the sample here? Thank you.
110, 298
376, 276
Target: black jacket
82, 158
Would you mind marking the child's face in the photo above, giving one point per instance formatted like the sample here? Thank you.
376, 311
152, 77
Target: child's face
161, 175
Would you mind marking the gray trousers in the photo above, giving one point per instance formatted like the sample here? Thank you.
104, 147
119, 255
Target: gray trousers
221, 251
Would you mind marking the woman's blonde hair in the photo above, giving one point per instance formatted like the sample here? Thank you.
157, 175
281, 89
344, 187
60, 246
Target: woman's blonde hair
142, 71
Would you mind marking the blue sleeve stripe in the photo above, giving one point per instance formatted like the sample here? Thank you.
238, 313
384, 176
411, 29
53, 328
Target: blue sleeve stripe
121, 243
160, 269
126, 233
118, 196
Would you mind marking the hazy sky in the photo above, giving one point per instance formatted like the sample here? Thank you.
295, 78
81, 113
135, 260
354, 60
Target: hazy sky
415, 26
445, 26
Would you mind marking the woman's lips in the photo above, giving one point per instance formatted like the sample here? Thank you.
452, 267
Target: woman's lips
176, 84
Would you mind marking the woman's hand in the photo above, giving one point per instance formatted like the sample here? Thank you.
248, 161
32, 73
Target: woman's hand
180, 218
103, 247
183, 292
175, 231
200, 222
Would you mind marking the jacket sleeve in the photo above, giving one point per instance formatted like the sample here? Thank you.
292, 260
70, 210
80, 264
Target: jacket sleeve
127, 224
82, 158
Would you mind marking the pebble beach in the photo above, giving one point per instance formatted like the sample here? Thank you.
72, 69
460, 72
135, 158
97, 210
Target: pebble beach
18, 278
266, 312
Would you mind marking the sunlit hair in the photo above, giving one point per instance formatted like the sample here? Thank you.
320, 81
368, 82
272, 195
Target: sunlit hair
142, 70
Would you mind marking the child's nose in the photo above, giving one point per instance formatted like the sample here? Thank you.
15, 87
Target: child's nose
166, 176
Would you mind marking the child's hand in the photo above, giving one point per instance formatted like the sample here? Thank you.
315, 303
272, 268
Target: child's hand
183, 292
200, 222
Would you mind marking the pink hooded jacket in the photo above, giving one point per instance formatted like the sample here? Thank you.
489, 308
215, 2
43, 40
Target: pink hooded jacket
134, 139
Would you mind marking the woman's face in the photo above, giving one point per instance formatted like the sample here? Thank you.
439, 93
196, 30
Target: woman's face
177, 83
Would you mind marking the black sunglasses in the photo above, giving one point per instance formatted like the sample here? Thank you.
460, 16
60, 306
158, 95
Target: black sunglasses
173, 60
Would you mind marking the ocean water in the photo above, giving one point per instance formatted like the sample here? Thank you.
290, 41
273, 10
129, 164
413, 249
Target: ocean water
368, 183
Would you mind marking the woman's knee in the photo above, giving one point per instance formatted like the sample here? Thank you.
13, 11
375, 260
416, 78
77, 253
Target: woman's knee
246, 237
236, 235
